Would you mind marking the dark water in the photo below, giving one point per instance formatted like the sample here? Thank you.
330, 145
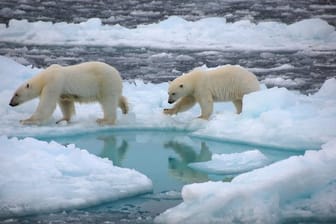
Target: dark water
311, 68
163, 156
131, 13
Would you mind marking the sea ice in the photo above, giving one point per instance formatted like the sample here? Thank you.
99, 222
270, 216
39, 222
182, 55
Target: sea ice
177, 33
271, 117
37, 176
300, 187
279, 118
232, 163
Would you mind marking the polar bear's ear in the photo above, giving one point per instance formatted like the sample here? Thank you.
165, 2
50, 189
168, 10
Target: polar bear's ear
181, 86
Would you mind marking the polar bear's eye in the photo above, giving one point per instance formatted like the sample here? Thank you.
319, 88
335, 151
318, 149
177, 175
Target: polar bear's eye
181, 86
27, 86
173, 94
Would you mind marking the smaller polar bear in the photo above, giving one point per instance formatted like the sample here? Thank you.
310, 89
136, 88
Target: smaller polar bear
83, 83
205, 86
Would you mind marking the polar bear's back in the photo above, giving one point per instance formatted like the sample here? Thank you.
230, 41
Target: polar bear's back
231, 82
90, 81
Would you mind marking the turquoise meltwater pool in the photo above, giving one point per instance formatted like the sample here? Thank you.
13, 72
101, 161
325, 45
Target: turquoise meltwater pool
164, 157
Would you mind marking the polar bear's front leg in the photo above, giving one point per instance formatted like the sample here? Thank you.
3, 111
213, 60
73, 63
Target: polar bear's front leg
183, 104
44, 110
206, 104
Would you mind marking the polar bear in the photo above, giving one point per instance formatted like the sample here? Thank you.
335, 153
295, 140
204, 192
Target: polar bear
205, 86
84, 83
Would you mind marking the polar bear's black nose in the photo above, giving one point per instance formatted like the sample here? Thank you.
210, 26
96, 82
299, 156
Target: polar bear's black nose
171, 101
12, 103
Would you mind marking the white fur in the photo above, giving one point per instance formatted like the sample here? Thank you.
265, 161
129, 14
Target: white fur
225, 83
83, 83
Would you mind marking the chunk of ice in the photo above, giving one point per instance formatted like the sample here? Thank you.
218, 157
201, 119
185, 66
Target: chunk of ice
37, 176
232, 163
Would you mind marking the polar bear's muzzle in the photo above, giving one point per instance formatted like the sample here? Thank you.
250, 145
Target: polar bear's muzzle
13, 102
171, 101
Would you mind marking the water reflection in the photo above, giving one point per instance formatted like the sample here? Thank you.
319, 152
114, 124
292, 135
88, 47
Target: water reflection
163, 156
178, 167
112, 151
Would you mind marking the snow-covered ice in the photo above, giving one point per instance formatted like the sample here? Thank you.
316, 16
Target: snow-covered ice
278, 117
300, 187
274, 117
233, 163
177, 33
37, 176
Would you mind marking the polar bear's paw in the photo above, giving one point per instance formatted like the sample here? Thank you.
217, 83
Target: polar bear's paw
171, 111
103, 121
30, 121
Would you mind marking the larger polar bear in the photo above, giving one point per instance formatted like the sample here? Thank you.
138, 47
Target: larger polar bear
83, 83
205, 86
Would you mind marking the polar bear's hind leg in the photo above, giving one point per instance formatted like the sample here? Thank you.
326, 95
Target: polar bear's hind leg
109, 106
238, 105
123, 104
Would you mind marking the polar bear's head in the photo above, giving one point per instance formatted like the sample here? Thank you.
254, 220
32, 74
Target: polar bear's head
24, 93
178, 88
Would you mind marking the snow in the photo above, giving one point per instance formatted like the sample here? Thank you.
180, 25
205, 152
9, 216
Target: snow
37, 176
298, 187
177, 33
232, 163
271, 117
66, 177
279, 68
283, 82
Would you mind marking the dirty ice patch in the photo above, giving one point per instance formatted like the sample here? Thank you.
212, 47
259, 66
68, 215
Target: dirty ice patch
37, 176
300, 187
232, 163
177, 33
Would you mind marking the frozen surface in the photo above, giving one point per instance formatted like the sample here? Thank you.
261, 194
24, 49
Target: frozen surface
298, 188
279, 117
177, 33
37, 176
271, 117
233, 163
296, 55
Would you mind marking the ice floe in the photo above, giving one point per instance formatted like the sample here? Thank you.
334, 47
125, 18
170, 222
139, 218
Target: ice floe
176, 33
298, 188
37, 176
232, 163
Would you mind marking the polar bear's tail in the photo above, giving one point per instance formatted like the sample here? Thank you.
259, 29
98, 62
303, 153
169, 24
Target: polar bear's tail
123, 104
